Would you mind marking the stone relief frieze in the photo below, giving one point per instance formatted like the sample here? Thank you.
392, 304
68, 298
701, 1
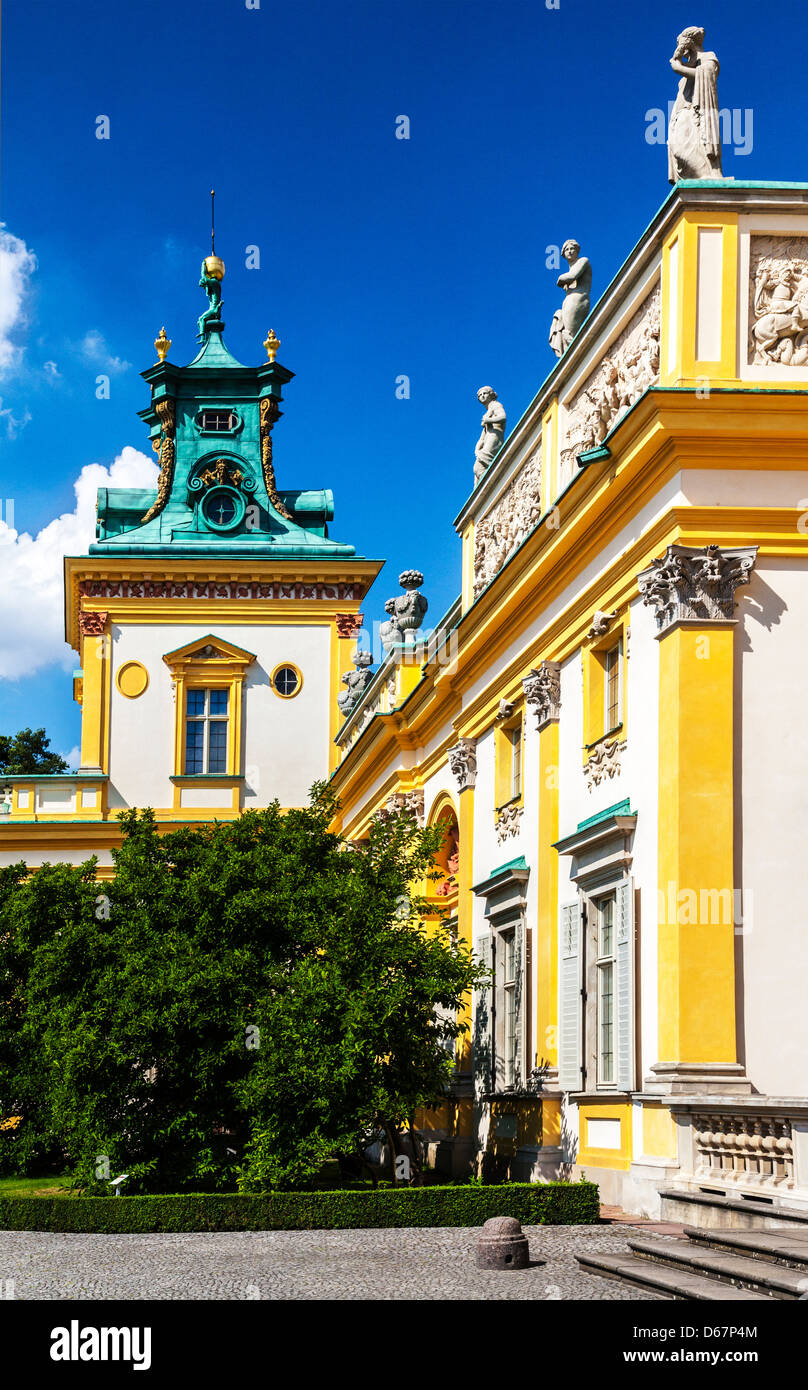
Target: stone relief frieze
631, 365
778, 301
508, 523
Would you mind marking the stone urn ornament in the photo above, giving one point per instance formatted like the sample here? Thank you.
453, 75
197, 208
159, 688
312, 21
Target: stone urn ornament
405, 613
502, 1245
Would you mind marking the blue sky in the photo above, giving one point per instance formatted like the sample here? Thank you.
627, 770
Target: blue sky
379, 257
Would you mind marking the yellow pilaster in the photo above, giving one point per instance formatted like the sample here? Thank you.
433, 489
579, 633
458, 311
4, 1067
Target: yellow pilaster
547, 913
465, 900
95, 703
696, 942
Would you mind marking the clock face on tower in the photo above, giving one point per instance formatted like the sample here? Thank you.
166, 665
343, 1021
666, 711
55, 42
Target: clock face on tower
223, 508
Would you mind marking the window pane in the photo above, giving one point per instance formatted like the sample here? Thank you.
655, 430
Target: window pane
516, 779
286, 680
612, 688
510, 1035
196, 703
606, 927
194, 748
217, 749
218, 701
606, 1014
509, 942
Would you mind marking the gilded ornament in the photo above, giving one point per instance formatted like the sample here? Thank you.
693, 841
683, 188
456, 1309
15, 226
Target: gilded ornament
268, 414
162, 344
271, 343
164, 448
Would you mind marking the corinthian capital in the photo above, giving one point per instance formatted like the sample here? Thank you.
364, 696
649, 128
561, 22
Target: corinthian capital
463, 762
542, 687
696, 585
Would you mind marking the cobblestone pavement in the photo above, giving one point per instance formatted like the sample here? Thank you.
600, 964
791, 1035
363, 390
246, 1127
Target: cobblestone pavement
390, 1264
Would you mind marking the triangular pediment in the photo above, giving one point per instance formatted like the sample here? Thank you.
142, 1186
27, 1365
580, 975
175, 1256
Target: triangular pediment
209, 648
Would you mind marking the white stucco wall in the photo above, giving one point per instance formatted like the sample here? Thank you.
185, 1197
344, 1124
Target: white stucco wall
285, 742
771, 820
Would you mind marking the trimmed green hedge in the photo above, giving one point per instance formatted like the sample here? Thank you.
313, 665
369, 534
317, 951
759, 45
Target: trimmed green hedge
534, 1204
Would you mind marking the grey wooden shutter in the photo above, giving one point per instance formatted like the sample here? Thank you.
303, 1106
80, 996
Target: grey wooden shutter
624, 987
520, 997
482, 1033
569, 1009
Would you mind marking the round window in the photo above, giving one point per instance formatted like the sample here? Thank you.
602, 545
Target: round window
223, 508
286, 681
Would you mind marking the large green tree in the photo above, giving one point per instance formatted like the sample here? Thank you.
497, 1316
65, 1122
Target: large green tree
28, 751
241, 1002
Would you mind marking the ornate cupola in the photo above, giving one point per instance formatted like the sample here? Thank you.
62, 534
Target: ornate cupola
211, 426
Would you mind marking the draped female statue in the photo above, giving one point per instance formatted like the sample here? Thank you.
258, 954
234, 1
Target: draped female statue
694, 134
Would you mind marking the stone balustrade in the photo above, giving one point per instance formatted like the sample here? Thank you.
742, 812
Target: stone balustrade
749, 1150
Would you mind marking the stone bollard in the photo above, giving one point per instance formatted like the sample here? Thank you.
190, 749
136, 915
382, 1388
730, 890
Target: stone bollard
502, 1245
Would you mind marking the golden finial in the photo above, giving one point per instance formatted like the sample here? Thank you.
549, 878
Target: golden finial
271, 343
162, 344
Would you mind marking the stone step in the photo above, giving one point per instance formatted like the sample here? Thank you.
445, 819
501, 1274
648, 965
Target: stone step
668, 1282
731, 1212
785, 1248
741, 1271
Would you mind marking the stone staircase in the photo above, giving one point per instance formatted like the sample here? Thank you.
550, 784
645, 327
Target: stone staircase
712, 1265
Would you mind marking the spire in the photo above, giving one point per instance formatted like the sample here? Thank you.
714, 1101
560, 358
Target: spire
211, 282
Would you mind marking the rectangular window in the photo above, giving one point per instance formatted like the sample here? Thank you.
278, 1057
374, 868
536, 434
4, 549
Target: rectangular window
206, 718
509, 1003
516, 761
604, 915
612, 665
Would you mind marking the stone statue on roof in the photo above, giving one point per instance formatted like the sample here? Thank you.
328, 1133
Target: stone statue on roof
694, 133
576, 284
493, 435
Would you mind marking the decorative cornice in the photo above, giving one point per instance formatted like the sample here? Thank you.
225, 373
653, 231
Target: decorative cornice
695, 585
463, 762
542, 687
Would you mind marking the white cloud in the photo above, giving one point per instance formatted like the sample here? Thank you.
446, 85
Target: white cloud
94, 349
14, 423
73, 758
17, 265
51, 370
32, 630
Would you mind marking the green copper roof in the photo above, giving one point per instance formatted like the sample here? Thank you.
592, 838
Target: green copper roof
620, 808
506, 868
212, 425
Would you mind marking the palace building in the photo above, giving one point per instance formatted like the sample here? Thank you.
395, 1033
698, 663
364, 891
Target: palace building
608, 721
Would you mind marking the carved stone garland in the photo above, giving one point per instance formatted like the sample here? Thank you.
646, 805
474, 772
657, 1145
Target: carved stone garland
508, 523
508, 822
603, 761
632, 365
